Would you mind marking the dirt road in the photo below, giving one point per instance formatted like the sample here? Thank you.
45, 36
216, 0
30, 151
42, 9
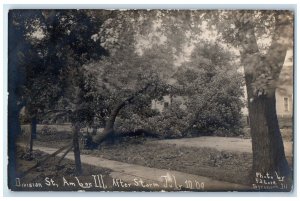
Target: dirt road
222, 144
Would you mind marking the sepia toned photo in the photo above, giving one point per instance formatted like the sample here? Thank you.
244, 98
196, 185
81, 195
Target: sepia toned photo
150, 100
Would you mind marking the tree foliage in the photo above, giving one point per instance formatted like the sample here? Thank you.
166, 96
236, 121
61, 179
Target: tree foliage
205, 98
117, 77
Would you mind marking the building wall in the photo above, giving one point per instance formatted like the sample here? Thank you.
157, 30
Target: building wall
284, 104
159, 105
284, 93
167, 100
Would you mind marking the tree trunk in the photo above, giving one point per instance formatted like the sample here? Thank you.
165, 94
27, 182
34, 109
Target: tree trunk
267, 143
108, 132
33, 134
75, 130
109, 127
14, 130
94, 131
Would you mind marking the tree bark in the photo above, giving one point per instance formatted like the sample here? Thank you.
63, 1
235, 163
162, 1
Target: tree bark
75, 130
16, 44
33, 134
108, 131
14, 130
109, 127
267, 144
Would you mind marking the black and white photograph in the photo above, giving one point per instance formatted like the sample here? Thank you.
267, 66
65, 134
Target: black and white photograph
150, 100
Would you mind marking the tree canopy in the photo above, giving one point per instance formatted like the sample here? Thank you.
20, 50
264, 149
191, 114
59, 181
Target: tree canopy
105, 68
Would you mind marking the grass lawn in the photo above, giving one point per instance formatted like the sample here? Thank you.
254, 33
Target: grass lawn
224, 166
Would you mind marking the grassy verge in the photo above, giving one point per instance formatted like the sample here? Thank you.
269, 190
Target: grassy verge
224, 166
53, 177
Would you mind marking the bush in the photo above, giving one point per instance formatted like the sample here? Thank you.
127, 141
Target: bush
46, 130
176, 121
165, 124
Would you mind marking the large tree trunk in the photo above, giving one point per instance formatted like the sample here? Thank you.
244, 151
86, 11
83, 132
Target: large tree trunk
33, 127
267, 144
75, 130
14, 130
109, 132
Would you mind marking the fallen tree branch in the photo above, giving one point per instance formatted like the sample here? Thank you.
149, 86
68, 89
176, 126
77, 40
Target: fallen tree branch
138, 132
44, 160
64, 155
109, 128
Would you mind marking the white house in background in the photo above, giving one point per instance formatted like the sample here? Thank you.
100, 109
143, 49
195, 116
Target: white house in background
284, 93
166, 101
160, 105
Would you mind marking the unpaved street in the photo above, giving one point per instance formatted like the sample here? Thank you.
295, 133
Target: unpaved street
222, 144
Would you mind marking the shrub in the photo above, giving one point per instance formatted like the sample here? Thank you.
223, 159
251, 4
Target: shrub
46, 130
